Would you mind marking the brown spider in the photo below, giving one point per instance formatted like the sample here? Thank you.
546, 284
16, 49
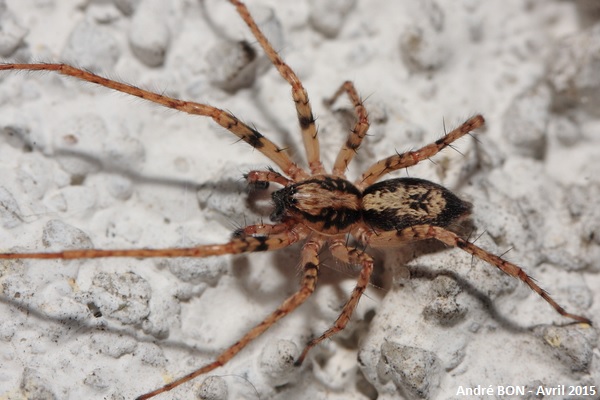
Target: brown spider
316, 207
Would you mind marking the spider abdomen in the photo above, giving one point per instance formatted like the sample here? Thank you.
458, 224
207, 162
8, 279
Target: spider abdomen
325, 203
396, 204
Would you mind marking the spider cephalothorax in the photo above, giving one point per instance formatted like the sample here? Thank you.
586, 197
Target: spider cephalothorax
326, 204
313, 206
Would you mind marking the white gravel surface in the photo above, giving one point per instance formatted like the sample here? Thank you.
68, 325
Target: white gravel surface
81, 166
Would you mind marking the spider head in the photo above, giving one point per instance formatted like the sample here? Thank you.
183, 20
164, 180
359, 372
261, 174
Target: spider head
325, 204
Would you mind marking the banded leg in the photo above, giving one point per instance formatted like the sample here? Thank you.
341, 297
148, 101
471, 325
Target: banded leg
262, 178
260, 230
223, 118
410, 158
310, 262
244, 244
306, 118
350, 255
357, 134
420, 232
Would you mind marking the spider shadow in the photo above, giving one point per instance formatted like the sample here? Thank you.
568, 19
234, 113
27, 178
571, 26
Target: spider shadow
106, 167
431, 246
229, 186
333, 275
224, 186
94, 325
273, 121
285, 136
76, 325
18, 138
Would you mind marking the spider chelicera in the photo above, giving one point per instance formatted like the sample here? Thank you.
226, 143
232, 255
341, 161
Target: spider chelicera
316, 207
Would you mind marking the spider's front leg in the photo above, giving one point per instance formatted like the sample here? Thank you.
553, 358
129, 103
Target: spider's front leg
421, 232
304, 112
283, 235
260, 230
410, 158
227, 120
340, 250
310, 263
261, 179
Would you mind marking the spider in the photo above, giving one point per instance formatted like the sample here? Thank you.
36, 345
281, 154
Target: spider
318, 208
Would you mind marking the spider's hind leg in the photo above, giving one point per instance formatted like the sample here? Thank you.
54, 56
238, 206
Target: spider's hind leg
420, 232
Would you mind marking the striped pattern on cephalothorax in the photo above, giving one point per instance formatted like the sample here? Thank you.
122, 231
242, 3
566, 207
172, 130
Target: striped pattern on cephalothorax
326, 204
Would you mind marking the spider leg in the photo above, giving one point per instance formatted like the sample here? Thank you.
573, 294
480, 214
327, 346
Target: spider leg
243, 244
299, 94
260, 230
262, 178
310, 262
357, 133
410, 158
350, 255
223, 118
420, 232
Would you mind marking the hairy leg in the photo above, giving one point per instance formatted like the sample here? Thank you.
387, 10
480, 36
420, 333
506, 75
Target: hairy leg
306, 118
376, 171
262, 178
350, 255
223, 118
310, 263
260, 230
420, 232
357, 134
244, 244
